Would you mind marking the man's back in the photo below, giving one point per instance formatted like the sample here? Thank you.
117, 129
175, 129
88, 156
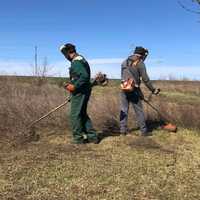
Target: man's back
135, 72
80, 73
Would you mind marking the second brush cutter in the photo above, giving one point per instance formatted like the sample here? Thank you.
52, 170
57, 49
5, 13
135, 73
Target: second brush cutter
168, 126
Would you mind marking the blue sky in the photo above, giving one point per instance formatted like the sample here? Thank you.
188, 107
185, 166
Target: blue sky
105, 32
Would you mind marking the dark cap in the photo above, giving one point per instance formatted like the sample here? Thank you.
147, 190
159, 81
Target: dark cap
68, 48
141, 51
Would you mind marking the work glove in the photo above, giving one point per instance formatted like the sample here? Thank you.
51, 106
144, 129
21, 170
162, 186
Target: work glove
70, 87
156, 91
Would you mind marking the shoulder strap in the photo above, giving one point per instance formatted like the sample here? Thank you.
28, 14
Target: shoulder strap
129, 63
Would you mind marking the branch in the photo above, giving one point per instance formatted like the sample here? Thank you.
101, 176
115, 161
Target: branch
196, 1
188, 9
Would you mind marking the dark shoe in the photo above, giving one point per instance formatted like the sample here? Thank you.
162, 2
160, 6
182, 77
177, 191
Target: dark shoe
79, 141
97, 140
146, 134
123, 133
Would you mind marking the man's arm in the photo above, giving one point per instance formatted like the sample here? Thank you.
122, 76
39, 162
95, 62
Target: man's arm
145, 77
79, 75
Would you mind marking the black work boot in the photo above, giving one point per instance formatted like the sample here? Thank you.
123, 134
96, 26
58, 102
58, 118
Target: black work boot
85, 141
146, 134
97, 140
123, 133
80, 140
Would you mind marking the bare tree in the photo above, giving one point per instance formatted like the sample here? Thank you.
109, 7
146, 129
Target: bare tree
41, 71
44, 69
196, 11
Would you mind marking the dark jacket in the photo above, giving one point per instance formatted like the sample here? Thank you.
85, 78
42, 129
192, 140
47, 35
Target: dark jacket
80, 75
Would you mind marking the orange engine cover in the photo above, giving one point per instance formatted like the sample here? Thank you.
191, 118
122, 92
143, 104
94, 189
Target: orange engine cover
170, 127
128, 85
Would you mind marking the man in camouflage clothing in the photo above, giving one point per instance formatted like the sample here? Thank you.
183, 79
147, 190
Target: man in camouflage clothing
133, 68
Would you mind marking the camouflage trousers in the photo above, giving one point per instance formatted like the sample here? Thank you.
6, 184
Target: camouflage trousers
134, 99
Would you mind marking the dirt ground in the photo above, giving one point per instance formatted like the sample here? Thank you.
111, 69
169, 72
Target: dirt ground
165, 166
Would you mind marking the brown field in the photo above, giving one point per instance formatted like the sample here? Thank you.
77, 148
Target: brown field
165, 166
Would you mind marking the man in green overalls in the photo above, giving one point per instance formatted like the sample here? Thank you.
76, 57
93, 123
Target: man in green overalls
80, 89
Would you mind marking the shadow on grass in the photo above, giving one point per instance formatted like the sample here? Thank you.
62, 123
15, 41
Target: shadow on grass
154, 124
144, 143
111, 127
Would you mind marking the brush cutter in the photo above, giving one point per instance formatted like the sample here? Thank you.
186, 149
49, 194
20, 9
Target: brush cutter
32, 136
50, 112
100, 79
167, 125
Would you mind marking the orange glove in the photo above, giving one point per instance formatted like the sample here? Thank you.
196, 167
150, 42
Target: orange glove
70, 87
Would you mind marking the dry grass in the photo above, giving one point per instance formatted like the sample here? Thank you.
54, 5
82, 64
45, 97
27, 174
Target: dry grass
23, 102
166, 166
125, 168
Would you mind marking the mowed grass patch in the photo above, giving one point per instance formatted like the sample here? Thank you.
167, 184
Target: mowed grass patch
165, 166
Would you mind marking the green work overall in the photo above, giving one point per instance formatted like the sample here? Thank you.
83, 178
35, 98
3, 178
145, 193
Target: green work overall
81, 124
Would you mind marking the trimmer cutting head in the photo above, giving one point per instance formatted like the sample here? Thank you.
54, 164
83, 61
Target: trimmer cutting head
100, 79
33, 136
170, 127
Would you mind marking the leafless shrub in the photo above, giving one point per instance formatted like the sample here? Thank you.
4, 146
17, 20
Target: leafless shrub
184, 115
192, 87
41, 72
104, 110
23, 102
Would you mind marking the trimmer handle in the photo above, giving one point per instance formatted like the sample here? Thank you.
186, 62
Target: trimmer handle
156, 91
